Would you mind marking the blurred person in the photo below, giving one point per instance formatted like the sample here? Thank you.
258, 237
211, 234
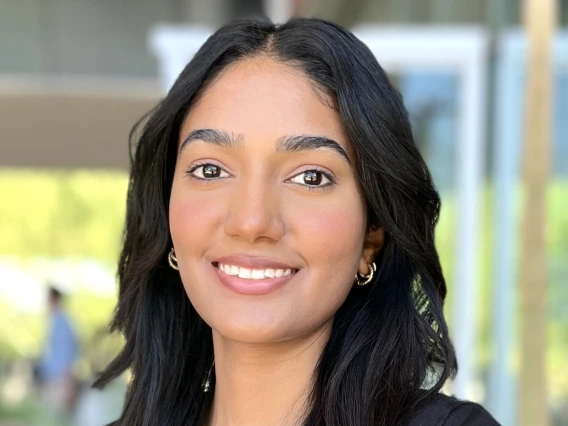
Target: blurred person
55, 369
279, 264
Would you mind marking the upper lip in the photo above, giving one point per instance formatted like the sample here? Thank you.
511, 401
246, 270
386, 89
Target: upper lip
253, 262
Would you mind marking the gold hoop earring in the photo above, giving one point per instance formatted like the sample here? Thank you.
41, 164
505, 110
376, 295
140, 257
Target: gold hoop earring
366, 279
172, 260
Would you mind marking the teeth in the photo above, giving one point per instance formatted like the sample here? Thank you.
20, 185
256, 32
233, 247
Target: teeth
257, 274
244, 273
254, 274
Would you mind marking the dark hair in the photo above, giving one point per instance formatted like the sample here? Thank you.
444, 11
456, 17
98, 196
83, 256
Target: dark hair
388, 338
54, 293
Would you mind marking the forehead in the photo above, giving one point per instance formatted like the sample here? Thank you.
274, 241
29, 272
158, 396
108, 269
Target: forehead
263, 97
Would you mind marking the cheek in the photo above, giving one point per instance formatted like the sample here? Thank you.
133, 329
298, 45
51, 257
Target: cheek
194, 225
331, 239
336, 229
193, 220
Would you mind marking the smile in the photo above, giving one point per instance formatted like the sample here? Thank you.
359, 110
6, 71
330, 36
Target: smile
253, 274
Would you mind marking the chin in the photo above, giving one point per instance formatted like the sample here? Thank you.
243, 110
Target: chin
264, 328
252, 333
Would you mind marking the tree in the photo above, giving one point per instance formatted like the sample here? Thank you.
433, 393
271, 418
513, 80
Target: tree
539, 21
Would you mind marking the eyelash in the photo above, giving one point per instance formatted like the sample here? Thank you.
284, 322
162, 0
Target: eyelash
192, 169
332, 181
327, 186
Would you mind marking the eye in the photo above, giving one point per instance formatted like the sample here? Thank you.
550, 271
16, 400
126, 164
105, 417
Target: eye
208, 171
313, 178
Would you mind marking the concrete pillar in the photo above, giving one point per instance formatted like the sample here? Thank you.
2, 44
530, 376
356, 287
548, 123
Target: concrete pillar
211, 13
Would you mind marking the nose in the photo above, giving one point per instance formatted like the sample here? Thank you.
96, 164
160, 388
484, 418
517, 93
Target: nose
254, 212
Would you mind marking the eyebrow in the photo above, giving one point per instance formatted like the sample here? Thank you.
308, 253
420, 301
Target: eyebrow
213, 136
307, 142
284, 144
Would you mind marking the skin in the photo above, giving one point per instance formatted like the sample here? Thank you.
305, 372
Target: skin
266, 346
52, 303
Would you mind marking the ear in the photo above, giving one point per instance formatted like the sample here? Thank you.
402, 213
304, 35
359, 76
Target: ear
373, 244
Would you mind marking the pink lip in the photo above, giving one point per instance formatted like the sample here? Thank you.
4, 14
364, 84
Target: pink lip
249, 286
252, 287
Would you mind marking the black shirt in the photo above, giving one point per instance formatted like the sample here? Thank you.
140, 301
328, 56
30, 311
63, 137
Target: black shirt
448, 411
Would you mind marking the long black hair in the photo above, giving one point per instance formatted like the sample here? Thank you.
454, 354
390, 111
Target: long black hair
389, 338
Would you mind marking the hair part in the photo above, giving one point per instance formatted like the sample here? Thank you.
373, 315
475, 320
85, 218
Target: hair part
388, 338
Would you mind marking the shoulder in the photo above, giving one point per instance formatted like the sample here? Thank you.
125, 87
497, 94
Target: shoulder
447, 411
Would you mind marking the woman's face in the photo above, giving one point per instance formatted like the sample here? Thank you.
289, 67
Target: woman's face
266, 218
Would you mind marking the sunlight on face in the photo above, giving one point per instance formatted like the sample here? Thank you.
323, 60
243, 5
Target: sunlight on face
265, 214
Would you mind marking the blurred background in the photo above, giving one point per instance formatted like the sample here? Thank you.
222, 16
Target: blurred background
76, 74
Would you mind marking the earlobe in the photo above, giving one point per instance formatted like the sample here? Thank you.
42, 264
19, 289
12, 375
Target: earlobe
373, 244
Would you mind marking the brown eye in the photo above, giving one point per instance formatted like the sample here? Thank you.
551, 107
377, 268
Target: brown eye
211, 171
208, 171
313, 178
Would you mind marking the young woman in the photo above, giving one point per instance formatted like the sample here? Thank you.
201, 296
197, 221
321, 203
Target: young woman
279, 265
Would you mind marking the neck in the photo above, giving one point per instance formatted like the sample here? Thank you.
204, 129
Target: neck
264, 384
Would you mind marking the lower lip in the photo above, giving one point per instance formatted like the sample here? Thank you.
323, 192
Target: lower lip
252, 287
